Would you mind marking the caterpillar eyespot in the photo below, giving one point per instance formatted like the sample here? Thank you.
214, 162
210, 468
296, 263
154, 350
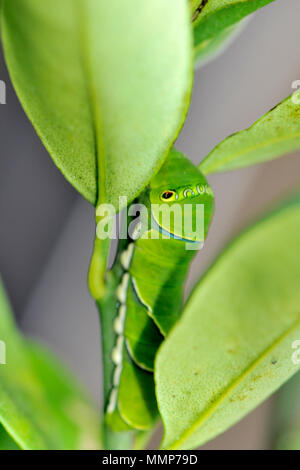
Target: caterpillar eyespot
168, 195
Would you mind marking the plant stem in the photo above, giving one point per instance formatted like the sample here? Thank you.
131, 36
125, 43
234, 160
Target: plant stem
103, 285
107, 307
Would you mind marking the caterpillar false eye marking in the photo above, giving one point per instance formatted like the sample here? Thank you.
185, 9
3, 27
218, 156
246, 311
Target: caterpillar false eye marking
168, 195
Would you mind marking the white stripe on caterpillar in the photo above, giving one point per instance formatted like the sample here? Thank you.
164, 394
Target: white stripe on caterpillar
117, 375
126, 256
137, 231
112, 400
117, 352
143, 302
119, 321
121, 291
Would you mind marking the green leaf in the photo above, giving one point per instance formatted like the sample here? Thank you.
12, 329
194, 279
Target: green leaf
233, 346
6, 442
286, 414
41, 407
275, 134
212, 48
217, 15
102, 80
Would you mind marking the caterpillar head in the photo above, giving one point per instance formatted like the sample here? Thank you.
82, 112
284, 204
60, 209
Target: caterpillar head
182, 202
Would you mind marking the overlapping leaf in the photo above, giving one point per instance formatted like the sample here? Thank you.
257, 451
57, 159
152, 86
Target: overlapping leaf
217, 15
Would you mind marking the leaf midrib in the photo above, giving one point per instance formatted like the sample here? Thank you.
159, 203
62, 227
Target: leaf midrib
86, 70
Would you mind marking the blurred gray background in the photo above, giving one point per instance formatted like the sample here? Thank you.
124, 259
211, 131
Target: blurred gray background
46, 229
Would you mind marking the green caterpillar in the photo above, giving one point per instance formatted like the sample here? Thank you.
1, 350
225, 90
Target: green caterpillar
151, 272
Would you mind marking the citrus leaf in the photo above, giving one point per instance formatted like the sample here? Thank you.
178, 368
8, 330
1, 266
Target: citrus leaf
275, 134
215, 16
106, 85
233, 346
41, 406
210, 49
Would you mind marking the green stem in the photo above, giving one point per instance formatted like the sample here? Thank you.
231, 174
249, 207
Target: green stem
107, 308
103, 285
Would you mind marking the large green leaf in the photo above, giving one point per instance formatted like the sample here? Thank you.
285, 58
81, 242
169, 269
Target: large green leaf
215, 16
41, 407
102, 80
275, 134
233, 346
